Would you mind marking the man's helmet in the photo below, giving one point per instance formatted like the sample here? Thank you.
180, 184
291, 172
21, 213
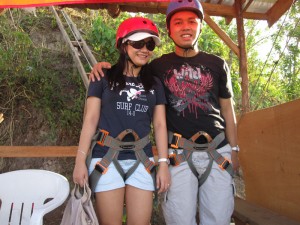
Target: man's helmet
137, 25
184, 5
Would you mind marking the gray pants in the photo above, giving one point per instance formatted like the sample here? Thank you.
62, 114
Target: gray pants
216, 195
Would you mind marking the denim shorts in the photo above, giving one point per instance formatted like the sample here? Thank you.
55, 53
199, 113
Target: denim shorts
112, 179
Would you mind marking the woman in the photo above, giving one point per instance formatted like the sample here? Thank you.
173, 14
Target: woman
128, 98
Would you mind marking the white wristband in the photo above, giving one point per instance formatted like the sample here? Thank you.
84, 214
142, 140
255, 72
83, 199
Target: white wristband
236, 148
164, 160
82, 152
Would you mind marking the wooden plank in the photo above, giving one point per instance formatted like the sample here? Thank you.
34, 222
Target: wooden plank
252, 214
37, 151
44, 151
270, 157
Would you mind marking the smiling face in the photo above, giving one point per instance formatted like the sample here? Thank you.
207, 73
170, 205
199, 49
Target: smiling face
140, 56
185, 27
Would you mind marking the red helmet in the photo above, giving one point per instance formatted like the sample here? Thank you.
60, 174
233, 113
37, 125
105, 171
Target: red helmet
134, 25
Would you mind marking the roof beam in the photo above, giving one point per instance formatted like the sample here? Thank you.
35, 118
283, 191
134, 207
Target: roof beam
210, 9
228, 41
248, 5
278, 10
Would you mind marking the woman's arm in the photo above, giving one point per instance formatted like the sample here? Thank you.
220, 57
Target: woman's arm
163, 178
91, 118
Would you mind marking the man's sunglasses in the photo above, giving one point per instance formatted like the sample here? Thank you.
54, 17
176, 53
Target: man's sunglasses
150, 45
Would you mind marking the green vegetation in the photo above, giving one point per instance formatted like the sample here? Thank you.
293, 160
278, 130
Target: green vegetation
34, 76
43, 77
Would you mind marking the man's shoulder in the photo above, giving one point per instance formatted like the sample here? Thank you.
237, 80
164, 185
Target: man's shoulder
162, 58
210, 56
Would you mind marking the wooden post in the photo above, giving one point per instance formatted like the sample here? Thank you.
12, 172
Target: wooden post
243, 56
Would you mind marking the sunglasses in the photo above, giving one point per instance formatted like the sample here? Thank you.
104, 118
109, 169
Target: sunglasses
150, 45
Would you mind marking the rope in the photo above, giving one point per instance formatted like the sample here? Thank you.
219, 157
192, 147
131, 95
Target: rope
268, 56
275, 65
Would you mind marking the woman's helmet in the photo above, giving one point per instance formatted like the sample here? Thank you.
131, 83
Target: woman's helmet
184, 5
141, 27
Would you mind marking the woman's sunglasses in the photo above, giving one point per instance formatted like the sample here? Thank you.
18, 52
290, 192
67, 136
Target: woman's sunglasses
150, 45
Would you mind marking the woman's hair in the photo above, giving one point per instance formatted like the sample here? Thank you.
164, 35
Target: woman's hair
116, 78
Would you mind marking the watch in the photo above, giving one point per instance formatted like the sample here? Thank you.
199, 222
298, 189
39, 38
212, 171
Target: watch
236, 148
164, 160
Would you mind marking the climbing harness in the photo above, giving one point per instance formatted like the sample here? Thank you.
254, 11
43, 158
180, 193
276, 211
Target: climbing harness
188, 146
116, 145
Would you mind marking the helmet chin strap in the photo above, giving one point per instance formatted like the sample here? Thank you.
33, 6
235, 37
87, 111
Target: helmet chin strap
186, 49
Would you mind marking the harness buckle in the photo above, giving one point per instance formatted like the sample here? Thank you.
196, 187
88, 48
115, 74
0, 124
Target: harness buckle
100, 168
150, 167
175, 140
224, 164
126, 147
173, 161
101, 138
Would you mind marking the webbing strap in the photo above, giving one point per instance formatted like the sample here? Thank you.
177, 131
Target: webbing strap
115, 146
101, 167
189, 147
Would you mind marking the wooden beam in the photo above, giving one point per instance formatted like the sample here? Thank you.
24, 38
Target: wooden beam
247, 6
218, 10
44, 151
228, 41
113, 10
37, 151
243, 56
249, 213
278, 10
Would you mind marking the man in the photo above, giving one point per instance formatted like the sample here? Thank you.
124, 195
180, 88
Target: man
199, 112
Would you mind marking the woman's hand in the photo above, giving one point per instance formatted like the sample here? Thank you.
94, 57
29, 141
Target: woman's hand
80, 173
163, 178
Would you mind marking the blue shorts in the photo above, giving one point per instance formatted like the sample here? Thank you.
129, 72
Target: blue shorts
112, 179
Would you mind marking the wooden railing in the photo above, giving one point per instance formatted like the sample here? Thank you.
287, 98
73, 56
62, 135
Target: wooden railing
37, 151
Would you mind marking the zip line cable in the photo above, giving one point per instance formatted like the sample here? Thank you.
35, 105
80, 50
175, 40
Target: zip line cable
268, 56
275, 65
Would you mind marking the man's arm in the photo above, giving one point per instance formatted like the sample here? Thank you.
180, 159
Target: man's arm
231, 128
97, 71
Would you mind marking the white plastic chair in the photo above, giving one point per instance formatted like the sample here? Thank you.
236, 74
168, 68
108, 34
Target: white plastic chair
27, 195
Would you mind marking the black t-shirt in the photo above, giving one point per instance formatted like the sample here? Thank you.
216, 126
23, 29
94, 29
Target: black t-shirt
130, 108
193, 87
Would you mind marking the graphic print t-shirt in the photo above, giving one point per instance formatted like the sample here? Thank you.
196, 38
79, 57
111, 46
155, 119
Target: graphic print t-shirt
193, 87
130, 108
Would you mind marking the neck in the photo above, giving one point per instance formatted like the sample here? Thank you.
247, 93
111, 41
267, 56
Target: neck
132, 71
186, 52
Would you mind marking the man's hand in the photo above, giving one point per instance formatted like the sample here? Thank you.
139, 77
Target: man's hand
97, 72
235, 161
